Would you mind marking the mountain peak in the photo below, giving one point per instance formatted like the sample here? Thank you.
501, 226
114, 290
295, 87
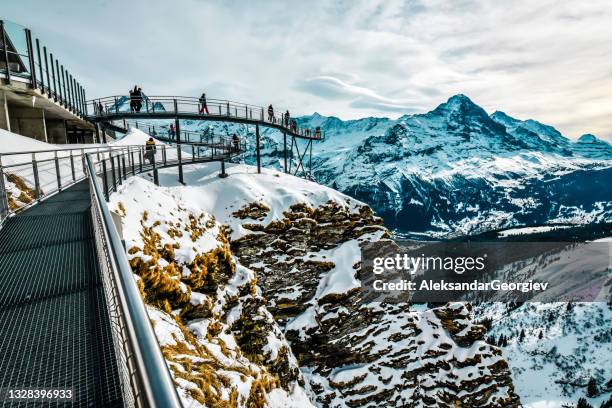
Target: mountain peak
588, 138
461, 108
460, 99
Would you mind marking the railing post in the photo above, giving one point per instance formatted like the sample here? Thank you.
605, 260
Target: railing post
140, 160
132, 159
228, 111
40, 67
83, 161
47, 69
104, 179
223, 174
36, 179
31, 59
59, 83
112, 162
57, 171
5, 53
155, 174
116, 105
123, 164
4, 206
164, 154
72, 167
53, 76
66, 94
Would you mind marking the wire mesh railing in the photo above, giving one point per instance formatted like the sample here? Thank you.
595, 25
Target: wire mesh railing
144, 375
24, 59
170, 106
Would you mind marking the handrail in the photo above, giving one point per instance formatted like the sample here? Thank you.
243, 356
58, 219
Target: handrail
62, 168
152, 385
105, 108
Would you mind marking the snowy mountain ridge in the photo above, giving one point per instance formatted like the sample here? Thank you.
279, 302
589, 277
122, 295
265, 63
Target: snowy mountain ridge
455, 170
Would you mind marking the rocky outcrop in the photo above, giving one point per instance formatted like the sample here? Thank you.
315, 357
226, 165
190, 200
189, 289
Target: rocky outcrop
358, 354
19, 193
222, 346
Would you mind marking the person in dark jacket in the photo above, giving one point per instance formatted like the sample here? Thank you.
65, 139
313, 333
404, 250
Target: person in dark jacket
133, 99
138, 98
171, 131
270, 114
235, 143
203, 105
287, 118
150, 150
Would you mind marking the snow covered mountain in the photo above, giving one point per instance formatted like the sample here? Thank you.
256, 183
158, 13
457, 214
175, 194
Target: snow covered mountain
455, 170
253, 286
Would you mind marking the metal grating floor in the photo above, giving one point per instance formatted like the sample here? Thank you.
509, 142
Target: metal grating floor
54, 329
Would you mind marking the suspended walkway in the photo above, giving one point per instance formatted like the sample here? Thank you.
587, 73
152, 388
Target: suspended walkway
114, 112
71, 318
116, 108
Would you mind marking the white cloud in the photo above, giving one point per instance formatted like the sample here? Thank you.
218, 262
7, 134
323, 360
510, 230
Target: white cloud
547, 60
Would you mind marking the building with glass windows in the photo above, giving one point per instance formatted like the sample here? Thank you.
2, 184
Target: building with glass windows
39, 97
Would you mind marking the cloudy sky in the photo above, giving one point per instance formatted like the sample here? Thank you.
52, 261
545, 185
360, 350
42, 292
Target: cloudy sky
547, 60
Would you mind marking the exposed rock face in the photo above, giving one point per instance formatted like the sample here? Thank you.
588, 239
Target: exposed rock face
222, 345
355, 354
19, 193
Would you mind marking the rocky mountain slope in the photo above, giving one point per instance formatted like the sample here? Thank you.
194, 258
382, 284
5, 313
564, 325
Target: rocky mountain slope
253, 284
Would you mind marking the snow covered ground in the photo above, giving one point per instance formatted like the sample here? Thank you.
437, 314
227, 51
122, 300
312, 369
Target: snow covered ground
562, 349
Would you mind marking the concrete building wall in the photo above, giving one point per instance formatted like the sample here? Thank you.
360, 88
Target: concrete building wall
5, 123
28, 122
56, 131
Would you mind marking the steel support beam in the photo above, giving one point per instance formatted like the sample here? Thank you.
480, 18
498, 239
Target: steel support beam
285, 150
257, 141
177, 129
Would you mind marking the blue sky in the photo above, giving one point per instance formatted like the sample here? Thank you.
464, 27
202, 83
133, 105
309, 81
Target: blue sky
547, 60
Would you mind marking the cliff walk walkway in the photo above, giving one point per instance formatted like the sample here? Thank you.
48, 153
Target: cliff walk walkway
71, 318
114, 112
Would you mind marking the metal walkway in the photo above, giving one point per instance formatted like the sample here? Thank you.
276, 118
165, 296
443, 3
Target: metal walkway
71, 316
54, 325
115, 108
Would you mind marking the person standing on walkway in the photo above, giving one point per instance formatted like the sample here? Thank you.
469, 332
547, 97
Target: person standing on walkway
138, 99
150, 150
203, 105
171, 131
287, 118
133, 100
235, 143
270, 114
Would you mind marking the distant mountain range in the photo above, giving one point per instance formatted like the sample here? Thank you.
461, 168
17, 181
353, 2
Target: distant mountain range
456, 170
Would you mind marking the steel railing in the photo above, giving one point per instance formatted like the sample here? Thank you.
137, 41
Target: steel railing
160, 106
35, 175
144, 375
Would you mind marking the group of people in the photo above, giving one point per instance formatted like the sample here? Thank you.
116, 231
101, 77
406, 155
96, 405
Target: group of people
136, 99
